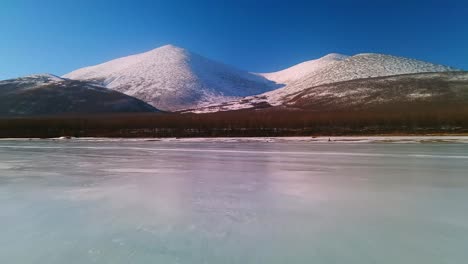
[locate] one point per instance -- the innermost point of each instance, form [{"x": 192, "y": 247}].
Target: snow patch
[{"x": 419, "y": 95}]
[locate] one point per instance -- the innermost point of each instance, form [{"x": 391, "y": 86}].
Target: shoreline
[{"x": 301, "y": 139}]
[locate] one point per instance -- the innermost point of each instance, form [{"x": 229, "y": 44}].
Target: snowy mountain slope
[
  {"x": 301, "y": 70},
  {"x": 46, "y": 94},
  {"x": 172, "y": 78},
  {"x": 359, "y": 66},
  {"x": 438, "y": 89}
]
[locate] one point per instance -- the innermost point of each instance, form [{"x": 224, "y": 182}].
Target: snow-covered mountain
[
  {"x": 407, "y": 91},
  {"x": 367, "y": 65},
  {"x": 437, "y": 89},
  {"x": 172, "y": 78},
  {"x": 329, "y": 69},
  {"x": 47, "y": 94},
  {"x": 301, "y": 70}
]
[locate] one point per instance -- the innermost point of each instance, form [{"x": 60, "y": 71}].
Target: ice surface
[{"x": 250, "y": 200}]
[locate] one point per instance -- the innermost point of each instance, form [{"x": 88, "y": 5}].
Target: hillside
[
  {"x": 48, "y": 95},
  {"x": 437, "y": 89},
  {"x": 359, "y": 66},
  {"x": 301, "y": 70},
  {"x": 172, "y": 78},
  {"x": 441, "y": 88}
]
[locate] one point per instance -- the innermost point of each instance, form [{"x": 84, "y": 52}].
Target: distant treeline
[{"x": 266, "y": 122}]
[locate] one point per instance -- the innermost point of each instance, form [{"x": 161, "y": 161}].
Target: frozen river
[{"x": 231, "y": 201}]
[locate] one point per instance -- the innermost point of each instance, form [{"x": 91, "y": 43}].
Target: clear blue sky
[{"x": 59, "y": 36}]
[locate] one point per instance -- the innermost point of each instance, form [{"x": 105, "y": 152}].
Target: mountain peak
[
  {"x": 300, "y": 70},
  {"x": 335, "y": 56},
  {"x": 42, "y": 78},
  {"x": 168, "y": 48},
  {"x": 172, "y": 78},
  {"x": 367, "y": 54},
  {"x": 360, "y": 66},
  {"x": 401, "y": 65},
  {"x": 47, "y": 94}
]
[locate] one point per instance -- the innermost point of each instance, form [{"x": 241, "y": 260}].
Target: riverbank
[
  {"x": 322, "y": 139},
  {"x": 239, "y": 124}
]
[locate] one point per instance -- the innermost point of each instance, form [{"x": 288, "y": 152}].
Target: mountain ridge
[
  {"x": 176, "y": 79},
  {"x": 172, "y": 78},
  {"x": 300, "y": 70},
  {"x": 359, "y": 66},
  {"x": 45, "y": 94},
  {"x": 414, "y": 89}
]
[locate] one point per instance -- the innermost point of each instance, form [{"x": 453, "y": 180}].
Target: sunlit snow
[{"x": 172, "y": 78}]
